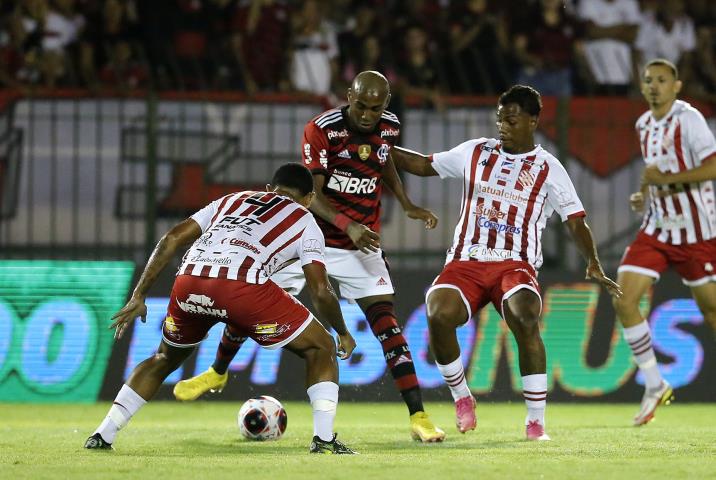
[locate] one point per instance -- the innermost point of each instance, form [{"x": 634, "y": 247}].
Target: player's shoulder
[
  {"x": 687, "y": 113},
  {"x": 327, "y": 118},
  {"x": 390, "y": 118},
  {"x": 545, "y": 157}
]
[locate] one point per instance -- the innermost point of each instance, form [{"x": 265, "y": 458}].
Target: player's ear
[
  {"x": 387, "y": 102},
  {"x": 534, "y": 121},
  {"x": 349, "y": 94},
  {"x": 677, "y": 86},
  {"x": 269, "y": 188}
]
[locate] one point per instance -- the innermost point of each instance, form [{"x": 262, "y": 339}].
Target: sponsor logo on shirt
[
  {"x": 307, "y": 153},
  {"x": 484, "y": 222},
  {"x": 337, "y": 134},
  {"x": 501, "y": 193},
  {"x": 344, "y": 154},
  {"x": 345, "y": 184},
  {"x": 323, "y": 158},
  {"x": 389, "y": 132},
  {"x": 487, "y": 254},
  {"x": 671, "y": 222},
  {"x": 236, "y": 242},
  {"x": 491, "y": 212}
]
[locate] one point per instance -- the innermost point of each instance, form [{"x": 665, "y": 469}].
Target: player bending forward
[
  {"x": 237, "y": 243},
  {"x": 347, "y": 150},
  {"x": 510, "y": 188}
]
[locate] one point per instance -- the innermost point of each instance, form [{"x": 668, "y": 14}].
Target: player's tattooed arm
[
  {"x": 583, "y": 238},
  {"x": 706, "y": 171},
  {"x": 365, "y": 239},
  {"x": 326, "y": 303},
  {"x": 180, "y": 235},
  {"x": 393, "y": 182},
  {"x": 412, "y": 162}
]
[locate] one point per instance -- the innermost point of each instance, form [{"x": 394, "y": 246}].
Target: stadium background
[{"x": 113, "y": 134}]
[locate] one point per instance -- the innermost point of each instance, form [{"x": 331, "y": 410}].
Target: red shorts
[
  {"x": 482, "y": 282},
  {"x": 263, "y": 312},
  {"x": 695, "y": 262}
]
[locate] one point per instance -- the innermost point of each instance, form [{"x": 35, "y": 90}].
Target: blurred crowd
[{"x": 427, "y": 48}]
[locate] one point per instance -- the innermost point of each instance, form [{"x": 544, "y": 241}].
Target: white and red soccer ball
[{"x": 262, "y": 418}]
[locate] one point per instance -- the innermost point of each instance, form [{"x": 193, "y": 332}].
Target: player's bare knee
[
  {"x": 625, "y": 305},
  {"x": 444, "y": 316}
]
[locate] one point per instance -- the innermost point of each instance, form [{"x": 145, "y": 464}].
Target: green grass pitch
[{"x": 201, "y": 440}]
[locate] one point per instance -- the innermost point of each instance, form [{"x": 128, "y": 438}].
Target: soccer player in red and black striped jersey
[
  {"x": 348, "y": 151},
  {"x": 679, "y": 227}
]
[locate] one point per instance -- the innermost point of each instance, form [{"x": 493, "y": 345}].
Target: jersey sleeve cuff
[{"x": 579, "y": 214}]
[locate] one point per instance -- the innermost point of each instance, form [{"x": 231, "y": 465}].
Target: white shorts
[{"x": 358, "y": 274}]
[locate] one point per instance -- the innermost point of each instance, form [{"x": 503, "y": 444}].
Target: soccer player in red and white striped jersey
[
  {"x": 679, "y": 227},
  {"x": 347, "y": 150},
  {"x": 237, "y": 243},
  {"x": 510, "y": 188}
]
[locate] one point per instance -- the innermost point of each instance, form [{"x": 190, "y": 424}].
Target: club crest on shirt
[
  {"x": 526, "y": 179},
  {"x": 364, "y": 152},
  {"x": 667, "y": 142},
  {"x": 383, "y": 153}
]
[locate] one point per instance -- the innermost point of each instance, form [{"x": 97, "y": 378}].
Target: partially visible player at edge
[
  {"x": 237, "y": 243},
  {"x": 347, "y": 150},
  {"x": 679, "y": 227},
  {"x": 510, "y": 188}
]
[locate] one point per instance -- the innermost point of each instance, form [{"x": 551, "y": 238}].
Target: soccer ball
[{"x": 262, "y": 418}]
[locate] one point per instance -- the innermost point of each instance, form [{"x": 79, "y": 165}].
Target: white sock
[
  {"x": 324, "y": 400},
  {"x": 126, "y": 404},
  {"x": 639, "y": 339},
  {"x": 454, "y": 375},
  {"x": 534, "y": 389}
]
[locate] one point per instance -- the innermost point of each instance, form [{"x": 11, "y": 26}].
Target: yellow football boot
[
  {"x": 422, "y": 429},
  {"x": 194, "y": 387}
]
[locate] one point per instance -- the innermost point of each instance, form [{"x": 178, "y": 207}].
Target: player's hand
[
  {"x": 595, "y": 272},
  {"x": 653, "y": 176},
  {"x": 363, "y": 237},
  {"x": 636, "y": 201},
  {"x": 134, "y": 308},
  {"x": 418, "y": 213},
  {"x": 345, "y": 345}
]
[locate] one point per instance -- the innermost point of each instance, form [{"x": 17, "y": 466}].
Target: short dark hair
[
  {"x": 294, "y": 175},
  {"x": 526, "y": 97},
  {"x": 664, "y": 62}
]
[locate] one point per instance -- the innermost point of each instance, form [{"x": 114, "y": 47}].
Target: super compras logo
[
  {"x": 197, "y": 303},
  {"x": 355, "y": 185},
  {"x": 484, "y": 222}
]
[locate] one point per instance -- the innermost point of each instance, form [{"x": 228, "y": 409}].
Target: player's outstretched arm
[
  {"x": 393, "y": 182},
  {"x": 180, "y": 235},
  {"x": 326, "y": 303},
  {"x": 582, "y": 236},
  {"x": 412, "y": 162},
  {"x": 705, "y": 171},
  {"x": 365, "y": 239}
]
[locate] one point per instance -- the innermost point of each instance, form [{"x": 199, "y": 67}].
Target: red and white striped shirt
[
  {"x": 681, "y": 140},
  {"x": 506, "y": 200},
  {"x": 251, "y": 235}
]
